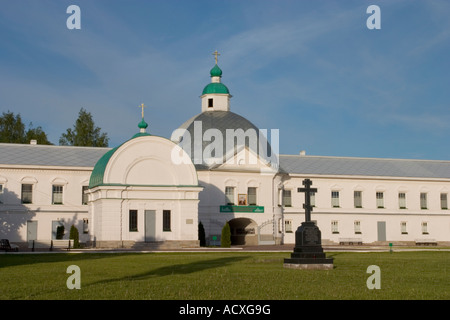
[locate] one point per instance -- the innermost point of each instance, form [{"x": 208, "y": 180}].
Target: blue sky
[{"x": 311, "y": 69}]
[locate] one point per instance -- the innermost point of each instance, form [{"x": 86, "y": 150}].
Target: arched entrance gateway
[{"x": 243, "y": 231}]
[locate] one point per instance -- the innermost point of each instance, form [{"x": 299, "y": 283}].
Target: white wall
[{"x": 14, "y": 215}]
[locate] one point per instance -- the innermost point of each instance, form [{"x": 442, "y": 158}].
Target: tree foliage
[
  {"x": 225, "y": 241},
  {"x": 13, "y": 130},
  {"x": 201, "y": 234},
  {"x": 75, "y": 236},
  {"x": 84, "y": 133}
]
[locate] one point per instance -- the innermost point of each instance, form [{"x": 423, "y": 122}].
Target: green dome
[
  {"x": 98, "y": 172},
  {"x": 216, "y": 71},
  {"x": 142, "y": 124},
  {"x": 215, "y": 87}
]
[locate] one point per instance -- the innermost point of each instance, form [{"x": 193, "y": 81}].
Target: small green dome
[
  {"x": 143, "y": 124},
  {"x": 215, "y": 88},
  {"x": 216, "y": 71}
]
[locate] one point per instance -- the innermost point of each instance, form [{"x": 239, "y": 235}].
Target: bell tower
[{"x": 215, "y": 96}]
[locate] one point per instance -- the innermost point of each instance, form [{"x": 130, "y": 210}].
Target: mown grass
[{"x": 222, "y": 276}]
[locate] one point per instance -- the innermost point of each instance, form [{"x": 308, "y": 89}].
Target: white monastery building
[{"x": 217, "y": 167}]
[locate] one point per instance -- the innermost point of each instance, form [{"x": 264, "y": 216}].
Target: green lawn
[{"x": 220, "y": 275}]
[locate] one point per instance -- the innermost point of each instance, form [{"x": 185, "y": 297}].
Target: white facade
[
  {"x": 42, "y": 210},
  {"x": 345, "y": 217},
  {"x": 142, "y": 190},
  {"x": 137, "y": 193}
]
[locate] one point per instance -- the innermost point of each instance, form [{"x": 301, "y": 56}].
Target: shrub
[
  {"x": 225, "y": 241},
  {"x": 59, "y": 232},
  {"x": 201, "y": 234},
  {"x": 75, "y": 236}
]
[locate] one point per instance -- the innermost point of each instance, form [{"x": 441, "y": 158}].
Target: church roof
[
  {"x": 340, "y": 166},
  {"x": 221, "y": 121},
  {"x": 49, "y": 155},
  {"x": 67, "y": 156}
]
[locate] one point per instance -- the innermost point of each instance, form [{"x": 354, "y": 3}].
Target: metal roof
[
  {"x": 66, "y": 156},
  {"x": 221, "y": 121},
  {"x": 49, "y": 155},
  {"x": 321, "y": 165}
]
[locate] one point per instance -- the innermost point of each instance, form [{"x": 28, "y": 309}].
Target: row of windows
[
  {"x": 357, "y": 227},
  {"x": 248, "y": 199},
  {"x": 133, "y": 220},
  {"x": 358, "y": 199},
  {"x": 26, "y": 194}
]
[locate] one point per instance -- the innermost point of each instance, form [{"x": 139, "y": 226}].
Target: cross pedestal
[{"x": 308, "y": 252}]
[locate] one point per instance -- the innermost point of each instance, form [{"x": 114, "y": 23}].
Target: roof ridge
[
  {"x": 48, "y": 145},
  {"x": 361, "y": 158}
]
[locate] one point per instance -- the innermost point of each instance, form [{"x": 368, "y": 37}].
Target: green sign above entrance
[{"x": 230, "y": 208}]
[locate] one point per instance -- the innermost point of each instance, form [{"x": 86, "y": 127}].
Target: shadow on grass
[
  {"x": 177, "y": 269},
  {"x": 11, "y": 260}
]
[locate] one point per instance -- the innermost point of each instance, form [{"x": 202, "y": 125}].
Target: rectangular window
[
  {"x": 444, "y": 203},
  {"x": 229, "y": 195},
  {"x": 287, "y": 200},
  {"x": 27, "y": 193},
  {"x": 251, "y": 196},
  {"x": 166, "y": 220},
  {"x": 402, "y": 200},
  {"x": 403, "y": 227},
  {"x": 210, "y": 103},
  {"x": 380, "y": 200},
  {"x": 357, "y": 199},
  {"x": 133, "y": 221},
  {"x": 335, "y": 199},
  {"x": 312, "y": 199},
  {"x": 424, "y": 227},
  {"x": 1, "y": 193},
  {"x": 357, "y": 226},
  {"x": 57, "y": 195},
  {"x": 85, "y": 225},
  {"x": 288, "y": 226},
  {"x": 334, "y": 227},
  {"x": 84, "y": 196},
  {"x": 423, "y": 200}
]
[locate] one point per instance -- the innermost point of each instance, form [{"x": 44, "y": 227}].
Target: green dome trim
[
  {"x": 216, "y": 71},
  {"x": 98, "y": 173},
  {"x": 99, "y": 169},
  {"x": 215, "y": 87},
  {"x": 140, "y": 134}
]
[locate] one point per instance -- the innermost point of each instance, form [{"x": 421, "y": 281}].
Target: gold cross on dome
[
  {"x": 215, "y": 53},
  {"x": 142, "y": 107}
]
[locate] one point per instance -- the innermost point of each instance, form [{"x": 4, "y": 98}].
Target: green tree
[
  {"x": 75, "y": 236},
  {"x": 13, "y": 130},
  {"x": 225, "y": 241},
  {"x": 84, "y": 133},
  {"x": 36, "y": 134}
]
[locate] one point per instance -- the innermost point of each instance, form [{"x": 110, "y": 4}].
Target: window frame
[
  {"x": 56, "y": 194},
  {"x": 250, "y": 196},
  {"x": 167, "y": 224},
  {"x": 132, "y": 220},
  {"x": 335, "y": 199},
  {"x": 357, "y": 200},
  {"x": 84, "y": 196},
  {"x": 423, "y": 201},
  {"x": 228, "y": 194},
  {"x": 402, "y": 200},
  {"x": 379, "y": 195},
  {"x": 444, "y": 201},
  {"x": 27, "y": 193},
  {"x": 335, "y": 227}
]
